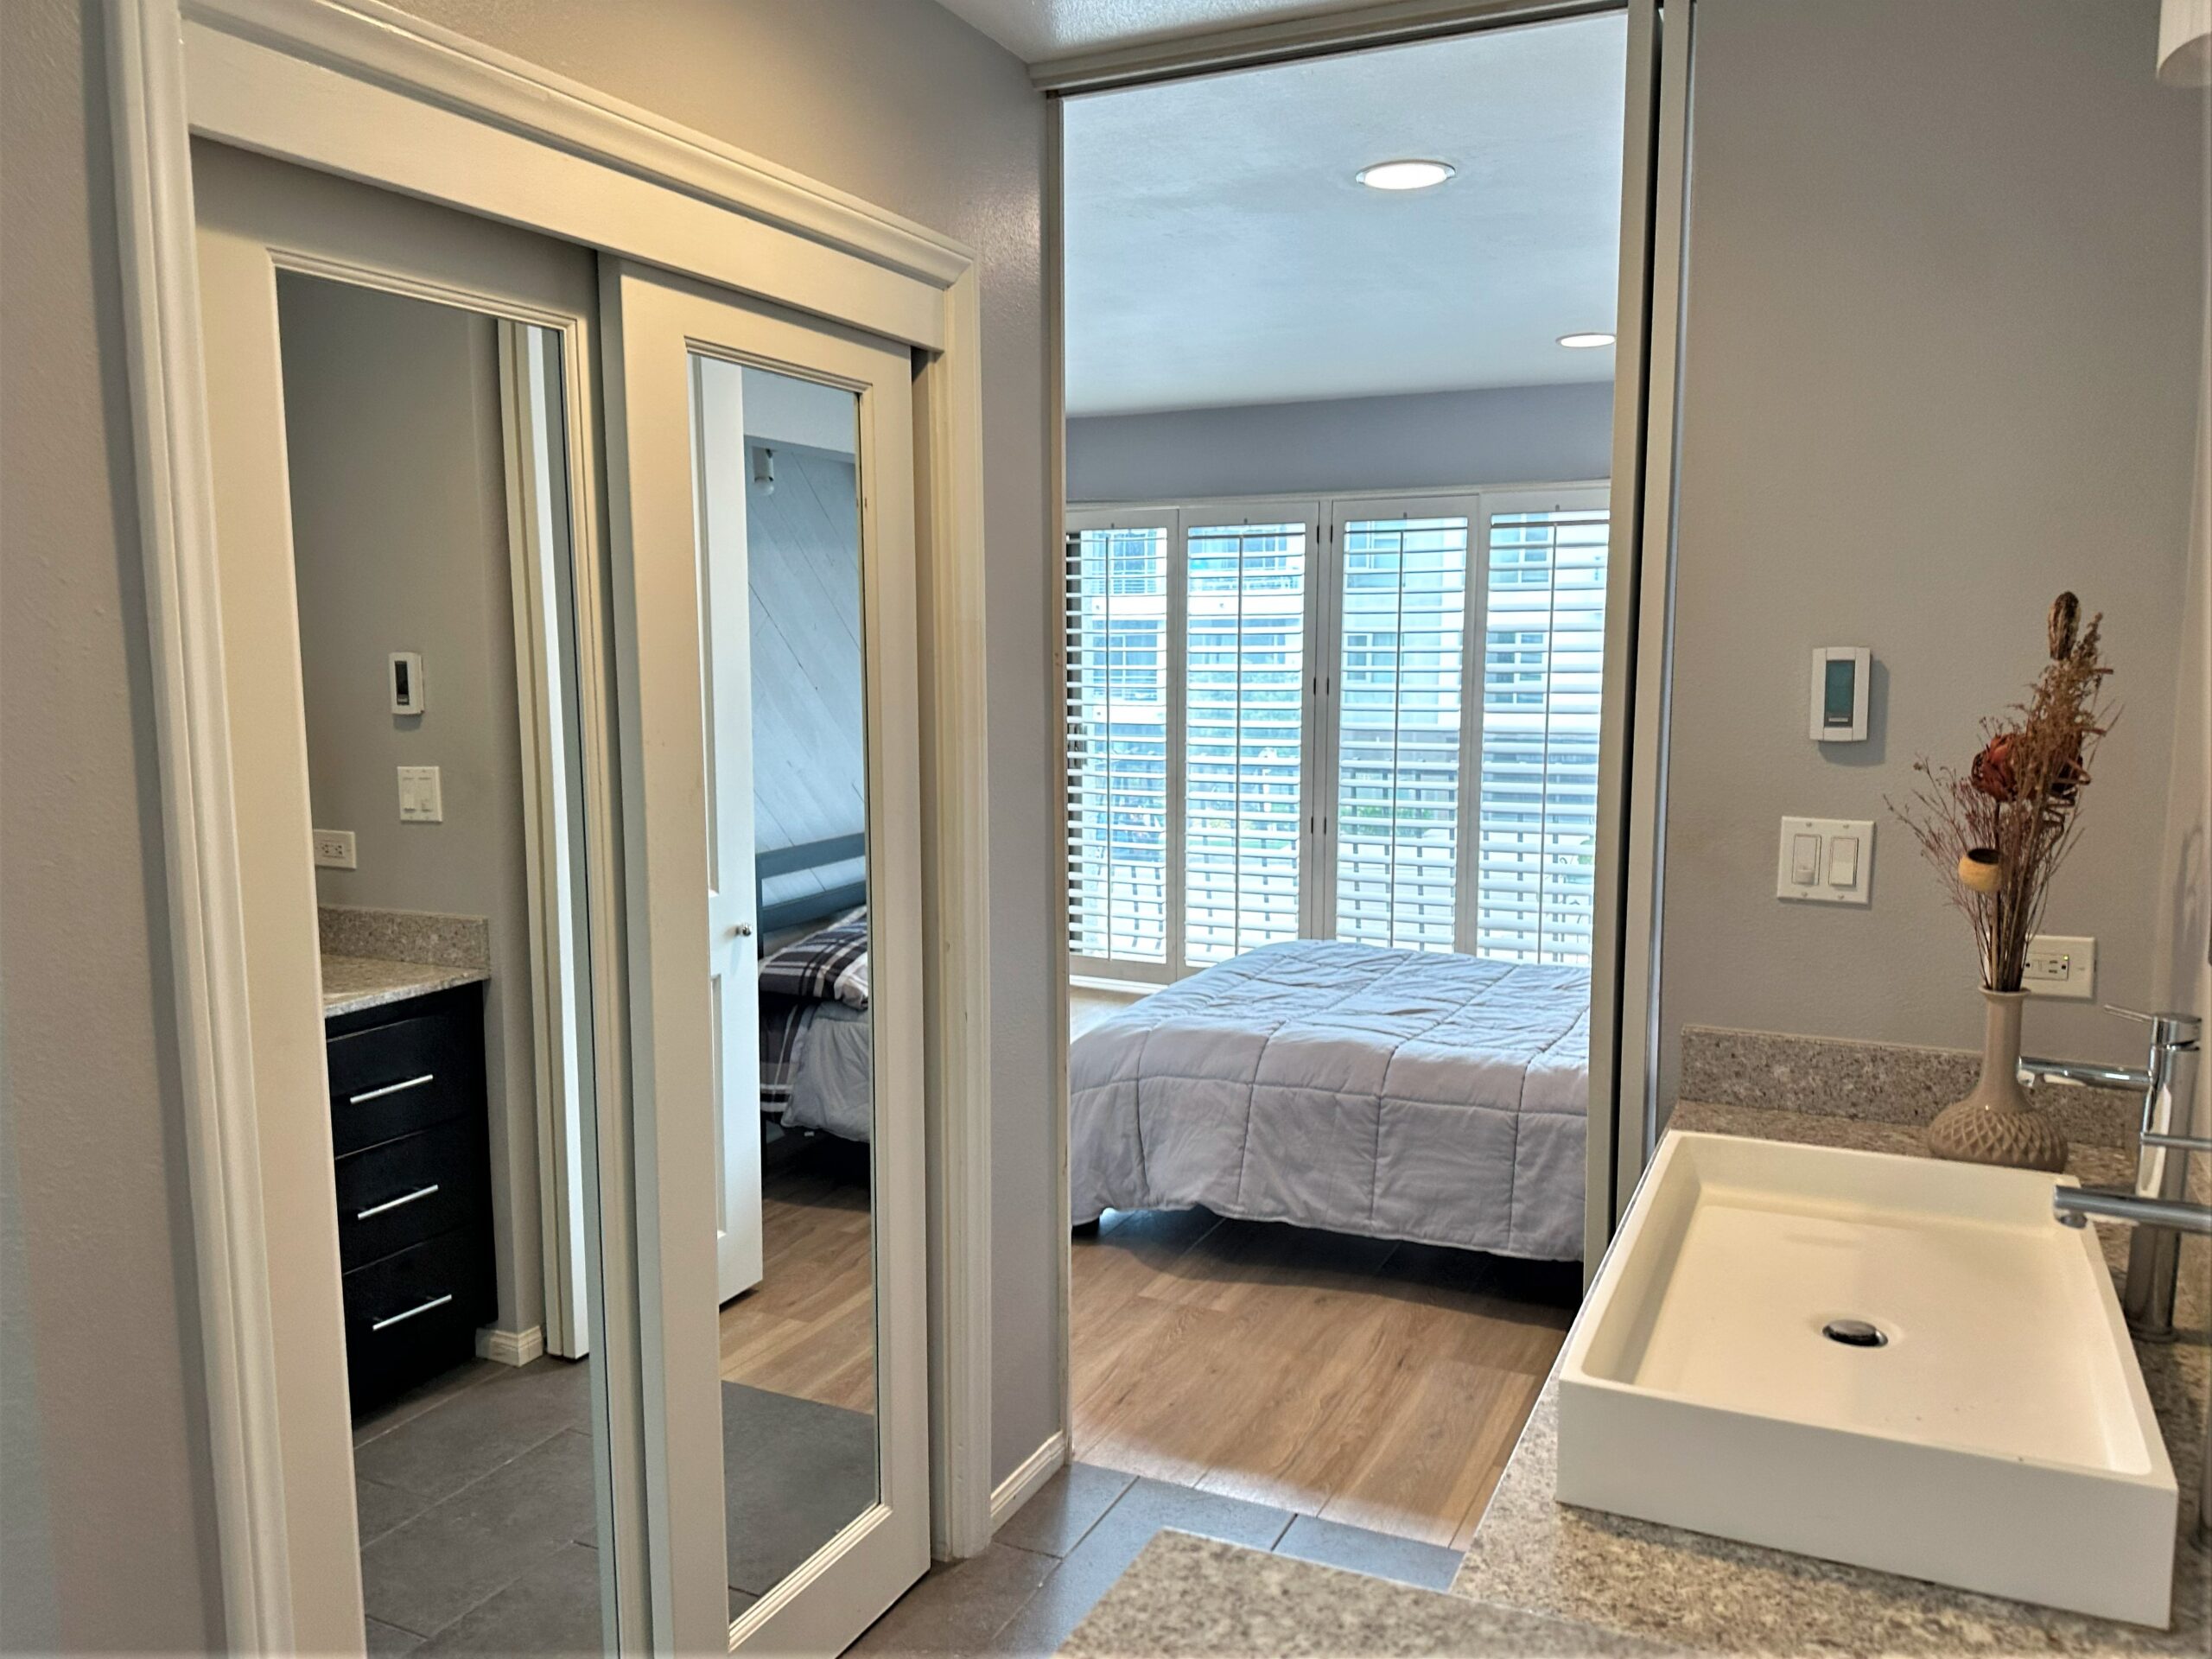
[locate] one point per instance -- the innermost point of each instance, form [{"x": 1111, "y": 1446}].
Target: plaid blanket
[
  {"x": 783, "y": 1020},
  {"x": 831, "y": 963}
]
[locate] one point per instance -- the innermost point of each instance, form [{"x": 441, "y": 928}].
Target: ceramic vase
[{"x": 1998, "y": 1124}]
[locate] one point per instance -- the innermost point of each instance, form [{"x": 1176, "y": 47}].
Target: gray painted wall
[
  {"x": 804, "y": 568},
  {"x": 399, "y": 535},
  {"x": 1511, "y": 435},
  {"x": 107, "y": 1523},
  {"x": 1946, "y": 272},
  {"x": 905, "y": 106}
]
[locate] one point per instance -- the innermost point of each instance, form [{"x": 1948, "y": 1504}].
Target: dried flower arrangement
[{"x": 1998, "y": 831}]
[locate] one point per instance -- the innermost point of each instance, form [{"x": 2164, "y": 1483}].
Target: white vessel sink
[{"x": 2000, "y": 1440}]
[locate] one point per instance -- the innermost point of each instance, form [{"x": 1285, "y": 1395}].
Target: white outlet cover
[
  {"x": 2061, "y": 966},
  {"x": 334, "y": 849}
]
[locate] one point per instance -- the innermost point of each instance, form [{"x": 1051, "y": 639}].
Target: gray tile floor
[
  {"x": 477, "y": 1527},
  {"x": 475, "y": 1501},
  {"x": 1051, "y": 1562}
]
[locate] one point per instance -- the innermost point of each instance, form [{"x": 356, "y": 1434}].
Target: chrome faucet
[
  {"x": 2158, "y": 1208},
  {"x": 2167, "y": 1082}
]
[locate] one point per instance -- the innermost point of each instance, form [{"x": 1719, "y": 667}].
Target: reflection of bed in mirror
[{"x": 815, "y": 1057}]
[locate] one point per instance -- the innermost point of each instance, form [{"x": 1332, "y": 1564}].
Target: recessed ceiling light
[
  {"x": 1405, "y": 175},
  {"x": 1584, "y": 343}
]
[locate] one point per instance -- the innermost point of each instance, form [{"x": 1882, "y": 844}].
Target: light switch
[
  {"x": 421, "y": 801},
  {"x": 1843, "y": 861},
  {"x": 1804, "y": 860},
  {"x": 1825, "y": 861}
]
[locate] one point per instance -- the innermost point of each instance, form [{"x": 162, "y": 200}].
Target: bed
[
  {"x": 816, "y": 1057},
  {"x": 1393, "y": 1094}
]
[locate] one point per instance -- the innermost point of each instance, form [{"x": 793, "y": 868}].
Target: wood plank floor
[
  {"x": 1378, "y": 1384},
  {"x": 1361, "y": 1381}
]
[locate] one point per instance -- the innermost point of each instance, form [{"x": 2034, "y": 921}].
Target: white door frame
[{"x": 359, "y": 88}]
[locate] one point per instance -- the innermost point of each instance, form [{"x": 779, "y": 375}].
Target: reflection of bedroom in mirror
[
  {"x": 1335, "y": 627},
  {"x": 780, "y": 545}
]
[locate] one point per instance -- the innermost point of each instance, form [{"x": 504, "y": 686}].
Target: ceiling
[
  {"x": 1034, "y": 30},
  {"x": 1218, "y": 249}
]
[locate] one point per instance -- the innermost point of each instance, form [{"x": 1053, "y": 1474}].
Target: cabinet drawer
[
  {"x": 416, "y": 1312},
  {"x": 408, "y": 1075},
  {"x": 401, "y": 1192}
]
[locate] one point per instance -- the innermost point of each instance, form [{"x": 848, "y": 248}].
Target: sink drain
[{"x": 1855, "y": 1333}]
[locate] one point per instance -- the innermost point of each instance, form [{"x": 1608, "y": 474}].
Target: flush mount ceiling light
[
  {"x": 1405, "y": 175},
  {"x": 1584, "y": 343}
]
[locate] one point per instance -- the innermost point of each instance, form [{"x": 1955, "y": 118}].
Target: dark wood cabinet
[{"x": 413, "y": 1182}]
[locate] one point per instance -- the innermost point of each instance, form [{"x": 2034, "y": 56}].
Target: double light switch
[{"x": 1827, "y": 861}]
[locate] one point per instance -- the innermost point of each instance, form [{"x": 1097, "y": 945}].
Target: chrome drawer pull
[
  {"x": 397, "y": 1318},
  {"x": 390, "y": 1089},
  {"x": 394, "y": 1204}
]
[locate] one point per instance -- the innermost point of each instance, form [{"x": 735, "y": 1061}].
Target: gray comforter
[{"x": 1390, "y": 1093}]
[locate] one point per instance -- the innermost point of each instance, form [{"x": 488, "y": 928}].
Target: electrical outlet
[
  {"x": 334, "y": 849},
  {"x": 2059, "y": 966}
]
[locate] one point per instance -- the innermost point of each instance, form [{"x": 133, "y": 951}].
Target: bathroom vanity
[{"x": 404, "y": 1052}]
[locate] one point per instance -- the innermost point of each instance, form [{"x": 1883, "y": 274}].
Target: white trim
[
  {"x": 1053, "y": 267},
  {"x": 157, "y": 238},
  {"x": 326, "y": 84},
  {"x": 1028, "y": 1477},
  {"x": 1279, "y": 41},
  {"x": 956, "y": 863},
  {"x": 510, "y": 1347}
]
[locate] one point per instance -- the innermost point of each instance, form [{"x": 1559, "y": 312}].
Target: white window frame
[{"x": 1326, "y": 518}]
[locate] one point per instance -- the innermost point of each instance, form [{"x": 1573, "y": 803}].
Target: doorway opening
[{"x": 1339, "y": 393}]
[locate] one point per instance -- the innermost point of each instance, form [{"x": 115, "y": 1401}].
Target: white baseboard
[
  {"x": 510, "y": 1347},
  {"x": 1018, "y": 1488}
]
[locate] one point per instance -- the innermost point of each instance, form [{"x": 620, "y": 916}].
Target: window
[
  {"x": 1543, "y": 657},
  {"x": 1117, "y": 699},
  {"x": 1243, "y": 737},
  {"x": 1374, "y": 721}
]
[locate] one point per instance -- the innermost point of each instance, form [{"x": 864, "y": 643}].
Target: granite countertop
[
  {"x": 1194, "y": 1596},
  {"x": 371, "y": 957},
  {"x": 351, "y": 983},
  {"x": 1710, "y": 1595}
]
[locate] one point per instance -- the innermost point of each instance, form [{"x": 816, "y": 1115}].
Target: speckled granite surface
[
  {"x": 1711, "y": 1595},
  {"x": 1889, "y": 1083},
  {"x": 421, "y": 936},
  {"x": 371, "y": 957},
  {"x": 1193, "y": 1596},
  {"x": 350, "y": 983}
]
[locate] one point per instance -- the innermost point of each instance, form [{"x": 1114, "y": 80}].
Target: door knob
[{"x": 742, "y": 930}]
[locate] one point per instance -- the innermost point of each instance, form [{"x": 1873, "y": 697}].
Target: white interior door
[
  {"x": 726, "y": 695},
  {"x": 847, "y": 1534}
]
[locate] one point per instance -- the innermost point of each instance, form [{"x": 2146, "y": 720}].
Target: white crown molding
[{"x": 377, "y": 43}]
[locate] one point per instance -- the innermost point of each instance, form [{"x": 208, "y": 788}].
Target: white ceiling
[
  {"x": 1219, "y": 251},
  {"x": 1036, "y": 29}
]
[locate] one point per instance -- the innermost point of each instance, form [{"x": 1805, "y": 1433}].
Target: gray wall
[
  {"x": 106, "y": 1523},
  {"x": 1946, "y": 272},
  {"x": 803, "y": 565},
  {"x": 1511, "y": 435},
  {"x": 399, "y": 537},
  {"x": 904, "y": 105}
]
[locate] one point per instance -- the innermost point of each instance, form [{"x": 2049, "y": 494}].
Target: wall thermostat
[
  {"x": 407, "y": 694},
  {"x": 1840, "y": 676}
]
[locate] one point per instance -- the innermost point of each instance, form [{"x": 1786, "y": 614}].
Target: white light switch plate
[
  {"x": 2061, "y": 966},
  {"x": 334, "y": 849},
  {"x": 420, "y": 798},
  {"x": 1826, "y": 860}
]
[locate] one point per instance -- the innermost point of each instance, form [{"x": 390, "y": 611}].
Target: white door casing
[{"x": 726, "y": 695}]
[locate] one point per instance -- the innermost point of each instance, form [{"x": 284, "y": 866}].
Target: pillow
[{"x": 832, "y": 963}]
